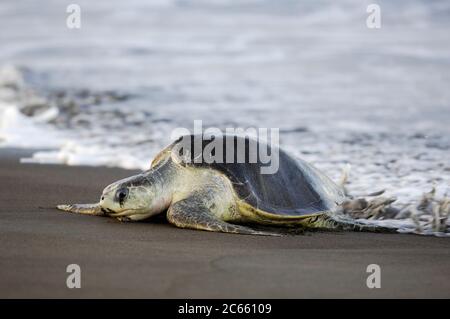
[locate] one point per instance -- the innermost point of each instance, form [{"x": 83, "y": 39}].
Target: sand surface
[{"x": 156, "y": 260}]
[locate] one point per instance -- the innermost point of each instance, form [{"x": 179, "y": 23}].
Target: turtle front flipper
[
  {"x": 87, "y": 209},
  {"x": 192, "y": 213}
]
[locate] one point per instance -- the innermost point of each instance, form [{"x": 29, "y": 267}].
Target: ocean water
[{"x": 111, "y": 92}]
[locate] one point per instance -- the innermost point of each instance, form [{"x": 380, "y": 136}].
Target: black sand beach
[{"x": 155, "y": 260}]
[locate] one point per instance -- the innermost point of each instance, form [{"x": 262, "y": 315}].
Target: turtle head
[{"x": 137, "y": 197}]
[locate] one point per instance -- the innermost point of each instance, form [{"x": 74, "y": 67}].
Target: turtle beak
[
  {"x": 107, "y": 211},
  {"x": 104, "y": 204}
]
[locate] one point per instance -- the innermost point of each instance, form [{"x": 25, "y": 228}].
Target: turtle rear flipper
[
  {"x": 347, "y": 215},
  {"x": 86, "y": 209},
  {"x": 338, "y": 222},
  {"x": 192, "y": 213}
]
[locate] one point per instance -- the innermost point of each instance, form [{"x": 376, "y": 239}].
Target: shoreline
[{"x": 156, "y": 260}]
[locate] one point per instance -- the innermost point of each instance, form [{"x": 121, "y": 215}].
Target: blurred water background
[{"x": 111, "y": 92}]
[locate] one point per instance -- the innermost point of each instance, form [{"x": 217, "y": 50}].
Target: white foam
[
  {"x": 18, "y": 130},
  {"x": 75, "y": 154}
]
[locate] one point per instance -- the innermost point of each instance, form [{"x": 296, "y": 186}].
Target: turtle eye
[{"x": 121, "y": 195}]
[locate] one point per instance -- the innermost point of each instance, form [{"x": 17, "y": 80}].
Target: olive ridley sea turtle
[{"x": 233, "y": 196}]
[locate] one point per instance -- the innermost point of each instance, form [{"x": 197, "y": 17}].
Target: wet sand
[{"x": 156, "y": 260}]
